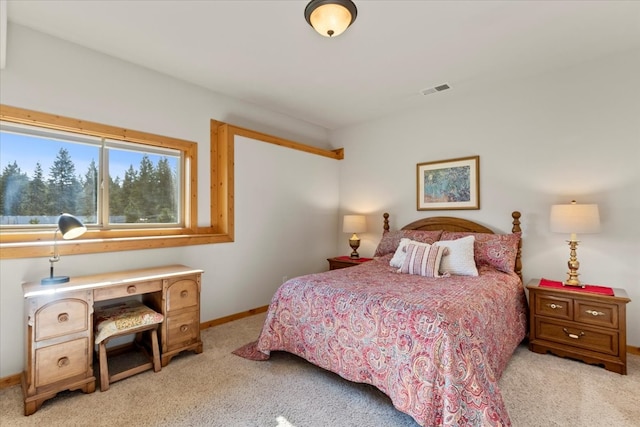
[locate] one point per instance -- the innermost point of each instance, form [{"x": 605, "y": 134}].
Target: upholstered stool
[{"x": 126, "y": 318}]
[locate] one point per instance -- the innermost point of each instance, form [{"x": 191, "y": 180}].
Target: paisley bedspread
[{"x": 436, "y": 346}]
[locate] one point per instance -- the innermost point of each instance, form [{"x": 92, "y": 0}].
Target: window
[
  {"x": 111, "y": 230},
  {"x": 103, "y": 182}
]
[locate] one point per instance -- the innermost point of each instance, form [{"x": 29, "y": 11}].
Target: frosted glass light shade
[
  {"x": 354, "y": 224},
  {"x": 330, "y": 18}
]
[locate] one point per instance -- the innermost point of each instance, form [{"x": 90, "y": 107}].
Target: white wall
[
  {"x": 278, "y": 192},
  {"x": 571, "y": 134}
]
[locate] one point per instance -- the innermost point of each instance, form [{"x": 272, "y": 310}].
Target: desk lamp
[{"x": 70, "y": 227}]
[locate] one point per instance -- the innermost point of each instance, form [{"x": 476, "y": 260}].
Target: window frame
[
  {"x": 104, "y": 147},
  {"x": 221, "y": 220}
]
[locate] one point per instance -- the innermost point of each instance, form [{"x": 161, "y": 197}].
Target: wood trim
[
  {"x": 10, "y": 381},
  {"x": 222, "y": 155},
  {"x": 633, "y": 350},
  {"x": 337, "y": 154},
  {"x": 52, "y": 121},
  {"x": 222, "y": 226},
  {"x": 232, "y": 317}
]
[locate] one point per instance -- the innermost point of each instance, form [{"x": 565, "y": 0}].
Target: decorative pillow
[
  {"x": 391, "y": 239},
  {"x": 401, "y": 252},
  {"x": 460, "y": 260},
  {"x": 496, "y": 250},
  {"x": 423, "y": 259}
]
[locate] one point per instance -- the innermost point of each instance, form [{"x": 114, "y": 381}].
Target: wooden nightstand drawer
[
  {"x": 576, "y": 335},
  {"x": 339, "y": 262},
  {"x": 61, "y": 317},
  {"x": 61, "y": 361},
  {"x": 597, "y": 314},
  {"x": 182, "y": 294},
  {"x": 553, "y": 306}
]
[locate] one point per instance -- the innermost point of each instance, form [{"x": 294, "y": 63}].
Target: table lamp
[
  {"x": 573, "y": 219},
  {"x": 354, "y": 224},
  {"x": 70, "y": 227}
]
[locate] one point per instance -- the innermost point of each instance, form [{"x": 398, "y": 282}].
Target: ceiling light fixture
[{"x": 330, "y": 17}]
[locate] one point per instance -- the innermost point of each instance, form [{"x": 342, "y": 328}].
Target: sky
[{"x": 28, "y": 150}]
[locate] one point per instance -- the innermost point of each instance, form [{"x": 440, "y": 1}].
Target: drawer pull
[
  {"x": 595, "y": 313},
  {"x": 63, "y": 317},
  {"x": 554, "y": 306},
  {"x": 574, "y": 336},
  {"x": 131, "y": 289},
  {"x": 184, "y": 294},
  {"x": 184, "y": 328},
  {"x": 63, "y": 361}
]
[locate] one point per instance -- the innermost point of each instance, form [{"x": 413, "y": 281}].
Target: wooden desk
[{"x": 60, "y": 344}]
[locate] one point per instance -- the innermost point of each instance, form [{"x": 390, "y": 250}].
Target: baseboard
[
  {"x": 633, "y": 350},
  {"x": 231, "y": 318},
  {"x": 10, "y": 381}
]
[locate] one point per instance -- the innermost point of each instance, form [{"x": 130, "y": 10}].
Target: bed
[{"x": 437, "y": 346}]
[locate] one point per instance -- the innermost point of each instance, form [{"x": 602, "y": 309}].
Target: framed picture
[{"x": 449, "y": 184}]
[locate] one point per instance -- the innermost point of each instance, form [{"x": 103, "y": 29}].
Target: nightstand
[
  {"x": 581, "y": 325},
  {"x": 338, "y": 262}
]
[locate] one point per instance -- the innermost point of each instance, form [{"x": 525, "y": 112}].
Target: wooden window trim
[{"x": 221, "y": 221}]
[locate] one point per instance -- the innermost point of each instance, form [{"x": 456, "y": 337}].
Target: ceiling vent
[{"x": 435, "y": 89}]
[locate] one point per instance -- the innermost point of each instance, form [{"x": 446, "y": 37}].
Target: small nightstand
[
  {"x": 585, "y": 326},
  {"x": 338, "y": 262}
]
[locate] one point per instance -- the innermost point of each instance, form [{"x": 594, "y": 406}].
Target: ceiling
[{"x": 265, "y": 53}]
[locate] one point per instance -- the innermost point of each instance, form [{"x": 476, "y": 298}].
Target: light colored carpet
[{"x": 217, "y": 388}]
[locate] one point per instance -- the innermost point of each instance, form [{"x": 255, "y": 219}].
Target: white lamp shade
[
  {"x": 575, "y": 218},
  {"x": 354, "y": 224}
]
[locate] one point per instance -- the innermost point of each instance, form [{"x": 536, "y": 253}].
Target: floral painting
[{"x": 449, "y": 184}]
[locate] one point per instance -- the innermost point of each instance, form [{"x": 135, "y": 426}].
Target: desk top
[{"x": 35, "y": 289}]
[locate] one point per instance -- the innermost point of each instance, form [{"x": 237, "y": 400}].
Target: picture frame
[{"x": 449, "y": 184}]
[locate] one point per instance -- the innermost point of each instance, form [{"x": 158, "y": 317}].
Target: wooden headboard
[{"x": 449, "y": 223}]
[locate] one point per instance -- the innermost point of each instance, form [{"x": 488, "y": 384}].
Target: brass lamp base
[
  {"x": 573, "y": 264},
  {"x": 355, "y": 244}
]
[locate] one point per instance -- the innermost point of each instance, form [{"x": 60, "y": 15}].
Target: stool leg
[
  {"x": 156, "y": 350},
  {"x": 104, "y": 366}
]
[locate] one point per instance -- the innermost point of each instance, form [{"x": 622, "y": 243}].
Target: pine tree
[
  {"x": 130, "y": 196},
  {"x": 165, "y": 192},
  {"x": 63, "y": 184},
  {"x": 36, "y": 194},
  {"x": 88, "y": 199},
  {"x": 147, "y": 189},
  {"x": 116, "y": 205}
]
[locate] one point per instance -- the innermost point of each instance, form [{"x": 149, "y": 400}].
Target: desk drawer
[
  {"x": 62, "y": 317},
  {"x": 127, "y": 289},
  {"x": 182, "y": 294},
  {"x": 61, "y": 361},
  {"x": 182, "y": 329},
  {"x": 576, "y": 335}
]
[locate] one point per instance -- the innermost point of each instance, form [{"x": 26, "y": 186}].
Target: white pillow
[
  {"x": 460, "y": 260},
  {"x": 401, "y": 253}
]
